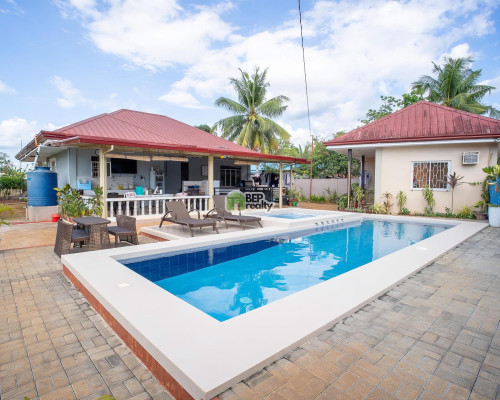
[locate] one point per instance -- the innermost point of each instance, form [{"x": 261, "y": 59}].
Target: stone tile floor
[{"x": 434, "y": 336}]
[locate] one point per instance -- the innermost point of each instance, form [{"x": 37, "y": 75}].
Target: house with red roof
[
  {"x": 126, "y": 150},
  {"x": 420, "y": 145}
]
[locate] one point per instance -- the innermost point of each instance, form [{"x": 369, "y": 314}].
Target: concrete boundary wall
[{"x": 319, "y": 186}]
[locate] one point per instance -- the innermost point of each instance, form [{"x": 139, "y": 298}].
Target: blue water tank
[
  {"x": 41, "y": 184},
  {"x": 495, "y": 192}
]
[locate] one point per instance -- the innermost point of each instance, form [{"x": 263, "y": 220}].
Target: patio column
[
  {"x": 378, "y": 175},
  {"x": 103, "y": 179},
  {"x": 349, "y": 158},
  {"x": 210, "y": 181},
  {"x": 280, "y": 201},
  {"x": 363, "y": 183}
]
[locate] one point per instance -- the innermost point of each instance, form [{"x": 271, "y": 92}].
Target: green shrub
[
  {"x": 401, "y": 200},
  {"x": 429, "y": 199},
  {"x": 342, "y": 201},
  {"x": 466, "y": 213},
  {"x": 317, "y": 199},
  {"x": 331, "y": 195},
  {"x": 4, "y": 208},
  {"x": 405, "y": 211}
]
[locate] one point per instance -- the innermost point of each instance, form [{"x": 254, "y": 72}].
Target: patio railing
[{"x": 152, "y": 205}]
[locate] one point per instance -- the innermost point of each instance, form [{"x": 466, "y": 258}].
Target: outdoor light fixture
[
  {"x": 129, "y": 157},
  {"x": 166, "y": 158},
  {"x": 238, "y": 162}
]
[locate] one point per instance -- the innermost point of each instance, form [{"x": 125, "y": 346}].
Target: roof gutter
[
  {"x": 186, "y": 148},
  {"x": 407, "y": 144}
]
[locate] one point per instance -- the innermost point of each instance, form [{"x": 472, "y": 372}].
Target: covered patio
[{"x": 128, "y": 152}]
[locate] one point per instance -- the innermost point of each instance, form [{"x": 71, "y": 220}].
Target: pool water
[
  {"x": 289, "y": 215},
  {"x": 230, "y": 280}
]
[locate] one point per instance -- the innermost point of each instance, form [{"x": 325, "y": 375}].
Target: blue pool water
[
  {"x": 226, "y": 281},
  {"x": 289, "y": 215}
]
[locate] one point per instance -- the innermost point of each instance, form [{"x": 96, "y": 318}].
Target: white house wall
[{"x": 395, "y": 173}]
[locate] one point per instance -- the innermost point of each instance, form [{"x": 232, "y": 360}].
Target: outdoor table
[{"x": 97, "y": 226}]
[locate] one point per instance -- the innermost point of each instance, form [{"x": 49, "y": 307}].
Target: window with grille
[
  {"x": 432, "y": 173},
  {"x": 94, "y": 167},
  {"x": 230, "y": 176}
]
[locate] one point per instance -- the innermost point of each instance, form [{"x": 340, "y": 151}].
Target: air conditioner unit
[{"x": 470, "y": 157}]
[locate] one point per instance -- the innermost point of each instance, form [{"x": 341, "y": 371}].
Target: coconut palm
[
  {"x": 251, "y": 125},
  {"x": 456, "y": 86}
]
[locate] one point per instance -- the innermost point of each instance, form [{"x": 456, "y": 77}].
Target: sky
[{"x": 62, "y": 61}]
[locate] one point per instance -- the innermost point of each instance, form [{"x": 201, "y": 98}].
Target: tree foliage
[
  {"x": 204, "y": 127},
  {"x": 389, "y": 105},
  {"x": 251, "y": 124},
  {"x": 456, "y": 85}
]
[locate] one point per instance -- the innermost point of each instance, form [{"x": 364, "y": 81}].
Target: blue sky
[{"x": 66, "y": 60}]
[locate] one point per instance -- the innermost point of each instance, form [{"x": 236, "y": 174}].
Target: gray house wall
[{"x": 73, "y": 163}]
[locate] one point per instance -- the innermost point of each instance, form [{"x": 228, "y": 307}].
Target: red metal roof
[
  {"x": 140, "y": 129},
  {"x": 422, "y": 121}
]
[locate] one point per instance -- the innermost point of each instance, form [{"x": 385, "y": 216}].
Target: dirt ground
[{"x": 18, "y": 208}]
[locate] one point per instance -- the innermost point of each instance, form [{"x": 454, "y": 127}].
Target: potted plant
[
  {"x": 71, "y": 203},
  {"x": 481, "y": 213}
]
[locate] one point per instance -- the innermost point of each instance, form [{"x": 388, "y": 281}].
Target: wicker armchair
[
  {"x": 125, "y": 230},
  {"x": 67, "y": 235}
]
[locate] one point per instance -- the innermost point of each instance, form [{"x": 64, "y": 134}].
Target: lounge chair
[
  {"x": 178, "y": 214},
  {"x": 124, "y": 230},
  {"x": 66, "y": 234},
  {"x": 220, "y": 213}
]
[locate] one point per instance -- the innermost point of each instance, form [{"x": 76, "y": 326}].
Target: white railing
[{"x": 152, "y": 205}]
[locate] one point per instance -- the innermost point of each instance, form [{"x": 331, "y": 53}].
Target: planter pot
[
  {"x": 481, "y": 215},
  {"x": 494, "y": 216}
]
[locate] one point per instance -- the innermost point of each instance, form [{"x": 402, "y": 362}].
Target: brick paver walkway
[{"x": 434, "y": 336}]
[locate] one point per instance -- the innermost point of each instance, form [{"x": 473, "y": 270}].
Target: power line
[
  {"x": 305, "y": 72},
  {"x": 307, "y": 101}
]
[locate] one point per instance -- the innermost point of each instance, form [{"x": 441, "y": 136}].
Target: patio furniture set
[{"x": 94, "y": 231}]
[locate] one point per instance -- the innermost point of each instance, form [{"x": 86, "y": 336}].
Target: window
[
  {"x": 230, "y": 176},
  {"x": 52, "y": 165},
  {"x": 432, "y": 173},
  {"x": 94, "y": 167}
]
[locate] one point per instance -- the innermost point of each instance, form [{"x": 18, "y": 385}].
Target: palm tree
[
  {"x": 456, "y": 86},
  {"x": 251, "y": 126}
]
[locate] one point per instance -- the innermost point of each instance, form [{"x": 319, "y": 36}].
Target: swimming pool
[
  {"x": 192, "y": 353},
  {"x": 287, "y": 215},
  {"x": 227, "y": 281}
]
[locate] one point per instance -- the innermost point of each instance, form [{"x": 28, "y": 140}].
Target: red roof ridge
[
  {"x": 395, "y": 128},
  {"x": 157, "y": 115}
]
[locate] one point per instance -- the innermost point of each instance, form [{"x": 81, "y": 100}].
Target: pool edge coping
[{"x": 204, "y": 390}]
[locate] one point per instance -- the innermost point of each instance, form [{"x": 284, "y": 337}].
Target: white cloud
[
  {"x": 16, "y": 130},
  {"x": 152, "y": 33},
  {"x": 4, "y": 88},
  {"x": 70, "y": 96},
  {"x": 355, "y": 51},
  {"x": 11, "y": 8},
  {"x": 182, "y": 99},
  {"x": 459, "y": 51}
]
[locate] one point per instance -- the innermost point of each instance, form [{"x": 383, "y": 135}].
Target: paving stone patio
[{"x": 434, "y": 336}]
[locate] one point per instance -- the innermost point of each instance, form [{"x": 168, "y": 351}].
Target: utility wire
[
  {"x": 305, "y": 72},
  {"x": 307, "y": 101}
]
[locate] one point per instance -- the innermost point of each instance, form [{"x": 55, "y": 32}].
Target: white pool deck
[{"x": 206, "y": 356}]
